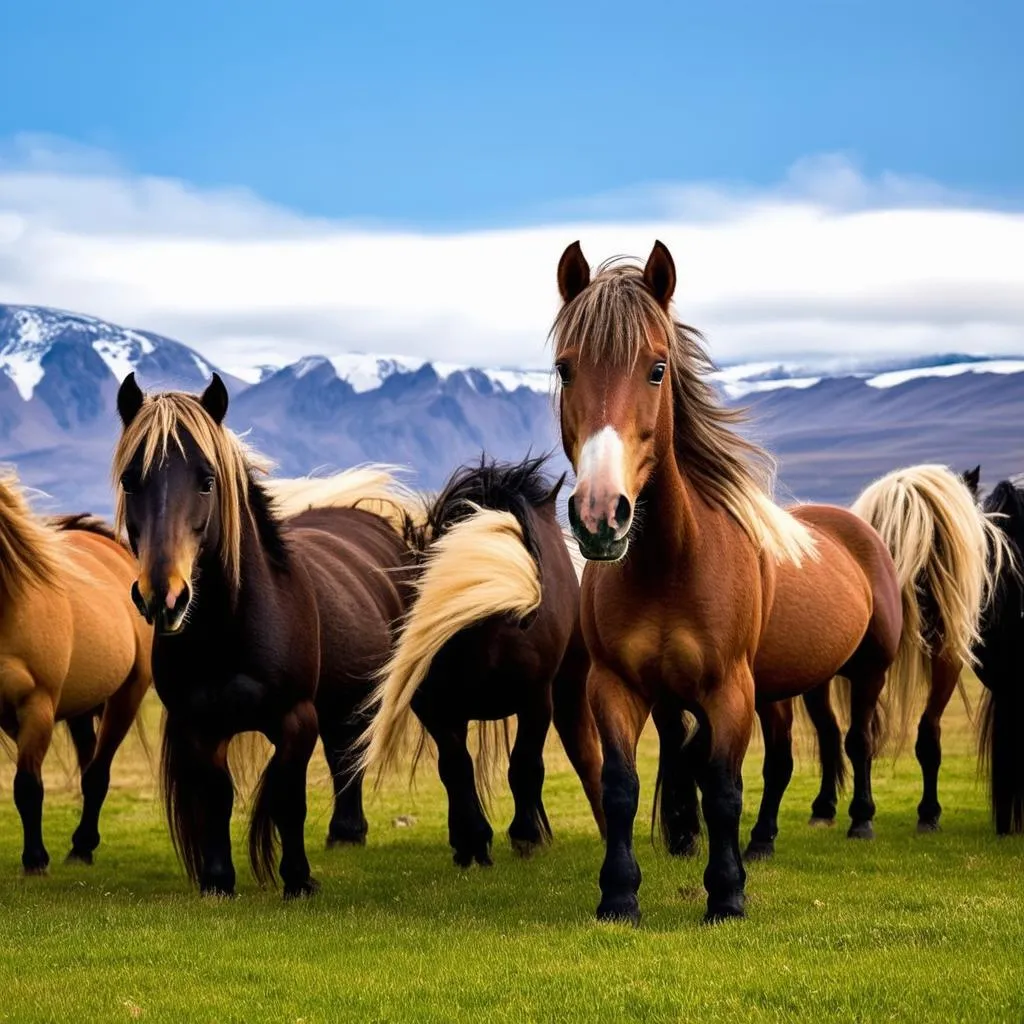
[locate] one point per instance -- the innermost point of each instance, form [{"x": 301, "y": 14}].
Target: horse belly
[
  {"x": 104, "y": 650},
  {"x": 818, "y": 619}
]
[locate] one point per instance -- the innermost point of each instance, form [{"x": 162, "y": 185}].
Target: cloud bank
[{"x": 826, "y": 264}]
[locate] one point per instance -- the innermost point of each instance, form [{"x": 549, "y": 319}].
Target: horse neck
[{"x": 670, "y": 512}]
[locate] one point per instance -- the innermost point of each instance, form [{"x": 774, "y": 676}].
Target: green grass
[{"x": 909, "y": 928}]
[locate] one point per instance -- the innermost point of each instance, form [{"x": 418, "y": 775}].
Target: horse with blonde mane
[
  {"x": 946, "y": 552},
  {"x": 723, "y": 594},
  {"x": 271, "y": 617},
  {"x": 71, "y": 649},
  {"x": 493, "y": 631}
]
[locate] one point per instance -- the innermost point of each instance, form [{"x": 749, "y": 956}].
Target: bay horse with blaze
[
  {"x": 722, "y": 595},
  {"x": 271, "y": 617}
]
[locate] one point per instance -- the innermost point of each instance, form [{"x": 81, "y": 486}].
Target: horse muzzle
[
  {"x": 602, "y": 539},
  {"x": 165, "y": 607}
]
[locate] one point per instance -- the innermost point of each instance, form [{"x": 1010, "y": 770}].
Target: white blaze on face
[{"x": 600, "y": 481}]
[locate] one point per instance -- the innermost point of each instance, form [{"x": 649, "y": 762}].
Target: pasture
[{"x": 908, "y": 927}]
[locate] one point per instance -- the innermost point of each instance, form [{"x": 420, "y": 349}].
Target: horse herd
[{"x": 350, "y": 609}]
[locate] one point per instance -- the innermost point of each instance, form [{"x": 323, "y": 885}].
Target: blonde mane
[
  {"x": 158, "y": 425},
  {"x": 31, "y": 555},
  {"x": 613, "y": 319}
]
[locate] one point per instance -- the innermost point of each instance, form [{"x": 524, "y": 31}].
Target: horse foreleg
[
  {"x": 777, "y": 726},
  {"x": 574, "y": 723},
  {"x": 620, "y": 714},
  {"x": 678, "y": 810},
  {"x": 35, "y": 730},
  {"x": 945, "y": 673},
  {"x": 830, "y": 752},
  {"x": 286, "y": 796},
  {"x": 118, "y": 715},
  {"x": 730, "y": 715},
  {"x": 530, "y": 827}
]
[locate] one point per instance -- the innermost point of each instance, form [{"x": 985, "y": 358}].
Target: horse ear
[
  {"x": 129, "y": 399},
  {"x": 660, "y": 274},
  {"x": 973, "y": 477},
  {"x": 553, "y": 493},
  {"x": 573, "y": 272},
  {"x": 215, "y": 399}
]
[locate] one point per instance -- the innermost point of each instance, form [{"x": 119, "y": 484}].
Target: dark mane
[
  {"x": 514, "y": 487},
  {"x": 87, "y": 523},
  {"x": 268, "y": 525}
]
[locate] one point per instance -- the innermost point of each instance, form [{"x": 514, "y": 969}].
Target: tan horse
[
  {"x": 721, "y": 591},
  {"x": 70, "y": 644}
]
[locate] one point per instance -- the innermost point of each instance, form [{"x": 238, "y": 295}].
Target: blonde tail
[
  {"x": 941, "y": 543},
  {"x": 477, "y": 569}
]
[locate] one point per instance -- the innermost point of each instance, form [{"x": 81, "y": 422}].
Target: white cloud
[{"x": 828, "y": 262}]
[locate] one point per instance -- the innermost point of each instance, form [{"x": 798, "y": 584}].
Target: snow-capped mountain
[{"x": 835, "y": 424}]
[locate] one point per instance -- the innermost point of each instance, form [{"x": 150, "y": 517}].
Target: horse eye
[
  {"x": 129, "y": 483},
  {"x": 206, "y": 485},
  {"x": 564, "y": 374},
  {"x": 657, "y": 373}
]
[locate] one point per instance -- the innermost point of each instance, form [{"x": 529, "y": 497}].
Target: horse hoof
[
  {"x": 345, "y": 840},
  {"x": 35, "y": 870},
  {"x": 684, "y": 846},
  {"x": 759, "y": 849},
  {"x": 216, "y": 892},
  {"x": 79, "y": 857},
  {"x": 928, "y": 826},
  {"x": 310, "y": 887},
  {"x": 525, "y": 848},
  {"x": 484, "y": 859},
  {"x": 861, "y": 830},
  {"x": 817, "y": 822},
  {"x": 623, "y": 910},
  {"x": 725, "y": 912}
]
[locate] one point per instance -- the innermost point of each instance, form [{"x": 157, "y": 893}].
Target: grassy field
[{"x": 907, "y": 928}]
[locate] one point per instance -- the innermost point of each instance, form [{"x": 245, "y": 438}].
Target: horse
[
  {"x": 721, "y": 591},
  {"x": 272, "y": 605},
  {"x": 1001, "y": 666},
  {"x": 71, "y": 649},
  {"x": 493, "y": 631},
  {"x": 940, "y": 543}
]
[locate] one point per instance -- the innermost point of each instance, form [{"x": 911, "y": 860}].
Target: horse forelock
[
  {"x": 614, "y": 320},
  {"x": 162, "y": 421}
]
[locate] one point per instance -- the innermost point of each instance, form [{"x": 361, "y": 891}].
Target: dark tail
[
  {"x": 678, "y": 756},
  {"x": 1002, "y": 755},
  {"x": 183, "y": 795},
  {"x": 262, "y": 833}
]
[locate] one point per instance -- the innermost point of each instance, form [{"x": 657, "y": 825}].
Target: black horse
[{"x": 1001, "y": 668}]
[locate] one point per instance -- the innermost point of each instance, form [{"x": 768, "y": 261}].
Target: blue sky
[{"x": 468, "y": 115}]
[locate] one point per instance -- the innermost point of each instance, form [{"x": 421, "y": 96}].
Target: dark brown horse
[
  {"x": 493, "y": 632},
  {"x": 720, "y": 585},
  {"x": 265, "y": 622}
]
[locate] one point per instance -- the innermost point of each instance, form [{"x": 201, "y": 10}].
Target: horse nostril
[
  {"x": 139, "y": 602},
  {"x": 623, "y": 510}
]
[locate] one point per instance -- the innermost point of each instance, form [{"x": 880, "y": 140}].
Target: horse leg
[
  {"x": 865, "y": 688},
  {"x": 215, "y": 794},
  {"x": 730, "y": 715},
  {"x": 118, "y": 715},
  {"x": 469, "y": 833},
  {"x": 35, "y": 730},
  {"x": 680, "y": 818},
  {"x": 777, "y": 726},
  {"x": 620, "y": 714},
  {"x": 83, "y": 736},
  {"x": 830, "y": 752},
  {"x": 574, "y": 723},
  {"x": 339, "y": 733},
  {"x": 530, "y": 827},
  {"x": 945, "y": 674},
  {"x": 286, "y": 796}
]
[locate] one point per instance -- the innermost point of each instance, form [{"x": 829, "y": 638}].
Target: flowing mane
[
  {"x": 613, "y": 319},
  {"x": 30, "y": 554},
  {"x": 158, "y": 425}
]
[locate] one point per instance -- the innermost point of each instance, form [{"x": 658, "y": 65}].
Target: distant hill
[{"x": 835, "y": 427}]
